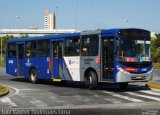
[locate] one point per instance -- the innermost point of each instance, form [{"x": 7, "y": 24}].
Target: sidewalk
[{"x": 153, "y": 84}]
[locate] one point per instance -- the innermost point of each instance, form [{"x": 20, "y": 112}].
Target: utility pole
[
  {"x": 126, "y": 22},
  {"x": 75, "y": 15},
  {"x": 18, "y": 24},
  {"x": 1, "y": 46}
]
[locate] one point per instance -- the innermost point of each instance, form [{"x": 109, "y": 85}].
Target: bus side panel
[
  {"x": 11, "y": 66},
  {"x": 72, "y": 68},
  {"x": 56, "y": 68},
  {"x": 41, "y": 64},
  {"x": 89, "y": 63},
  {"x": 43, "y": 68}
]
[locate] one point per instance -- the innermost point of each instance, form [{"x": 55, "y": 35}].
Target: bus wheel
[
  {"x": 33, "y": 76},
  {"x": 92, "y": 77},
  {"x": 123, "y": 85}
]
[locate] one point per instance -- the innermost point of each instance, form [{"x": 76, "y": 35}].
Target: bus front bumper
[{"x": 123, "y": 76}]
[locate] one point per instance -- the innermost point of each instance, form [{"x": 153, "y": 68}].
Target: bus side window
[
  {"x": 12, "y": 50},
  {"x": 55, "y": 47},
  {"x": 72, "y": 46},
  {"x": 21, "y": 51},
  {"x": 57, "y": 50},
  {"x": 90, "y": 45},
  {"x": 38, "y": 48},
  {"x": 30, "y": 49},
  {"x": 43, "y": 48},
  {"x": 60, "y": 50}
]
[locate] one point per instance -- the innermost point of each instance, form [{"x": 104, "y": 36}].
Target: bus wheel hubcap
[
  {"x": 90, "y": 79},
  {"x": 33, "y": 76}
]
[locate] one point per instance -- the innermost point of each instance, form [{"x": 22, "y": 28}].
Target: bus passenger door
[
  {"x": 107, "y": 58},
  {"x": 57, "y": 63},
  {"x": 20, "y": 56}
]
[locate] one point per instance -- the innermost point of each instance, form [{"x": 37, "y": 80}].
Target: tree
[
  {"x": 155, "y": 48},
  {"x": 8, "y": 37},
  {"x": 4, "y": 39}
]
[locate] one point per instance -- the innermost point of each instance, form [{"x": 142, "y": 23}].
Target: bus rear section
[
  {"x": 11, "y": 59},
  {"x": 28, "y": 58}
]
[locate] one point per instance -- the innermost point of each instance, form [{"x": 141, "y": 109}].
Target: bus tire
[
  {"x": 33, "y": 76},
  {"x": 123, "y": 86},
  {"x": 92, "y": 80}
]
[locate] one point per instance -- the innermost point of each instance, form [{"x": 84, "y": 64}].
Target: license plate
[{"x": 139, "y": 77}]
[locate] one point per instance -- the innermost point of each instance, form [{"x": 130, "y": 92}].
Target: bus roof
[
  {"x": 109, "y": 31},
  {"x": 58, "y": 36},
  {"x": 44, "y": 37}
]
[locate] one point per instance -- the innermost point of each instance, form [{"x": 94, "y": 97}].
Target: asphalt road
[{"x": 74, "y": 98}]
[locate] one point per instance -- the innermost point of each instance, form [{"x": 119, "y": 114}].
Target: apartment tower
[{"x": 49, "y": 20}]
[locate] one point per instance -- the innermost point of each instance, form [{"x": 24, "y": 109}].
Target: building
[{"x": 49, "y": 20}]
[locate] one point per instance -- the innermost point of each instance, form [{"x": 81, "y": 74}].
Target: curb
[
  {"x": 149, "y": 85},
  {"x": 5, "y": 93}
]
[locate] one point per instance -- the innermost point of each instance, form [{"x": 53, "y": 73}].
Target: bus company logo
[
  {"x": 71, "y": 62},
  {"x": 28, "y": 63}
]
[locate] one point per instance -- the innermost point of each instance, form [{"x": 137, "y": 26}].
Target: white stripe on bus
[{"x": 122, "y": 96}]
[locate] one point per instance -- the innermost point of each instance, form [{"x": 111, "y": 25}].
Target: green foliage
[
  {"x": 156, "y": 65},
  {"x": 155, "y": 48},
  {"x": 8, "y": 37},
  {"x": 26, "y": 36},
  {"x": 4, "y": 39}
]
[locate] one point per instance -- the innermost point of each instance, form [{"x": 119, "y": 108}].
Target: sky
[{"x": 90, "y": 14}]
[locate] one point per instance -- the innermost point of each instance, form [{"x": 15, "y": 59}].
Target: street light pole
[
  {"x": 126, "y": 22},
  {"x": 75, "y": 15},
  {"x": 56, "y": 17},
  {"x": 1, "y": 45},
  {"x": 18, "y": 23}
]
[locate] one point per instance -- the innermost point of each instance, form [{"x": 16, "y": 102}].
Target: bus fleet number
[{"x": 10, "y": 61}]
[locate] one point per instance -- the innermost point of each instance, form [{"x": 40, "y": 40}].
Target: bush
[{"x": 156, "y": 65}]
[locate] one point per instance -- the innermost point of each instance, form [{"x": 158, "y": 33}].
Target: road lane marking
[
  {"x": 8, "y": 101},
  {"x": 144, "y": 96},
  {"x": 122, "y": 96},
  {"x": 155, "y": 89},
  {"x": 17, "y": 90},
  {"x": 113, "y": 100},
  {"x": 151, "y": 92},
  {"x": 30, "y": 89},
  {"x": 38, "y": 103}
]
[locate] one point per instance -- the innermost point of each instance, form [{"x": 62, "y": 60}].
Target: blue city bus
[{"x": 110, "y": 56}]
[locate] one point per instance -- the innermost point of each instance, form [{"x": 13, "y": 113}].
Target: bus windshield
[{"x": 134, "y": 49}]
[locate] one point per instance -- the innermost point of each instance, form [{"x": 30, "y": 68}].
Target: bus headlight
[
  {"x": 149, "y": 72},
  {"x": 122, "y": 70}
]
